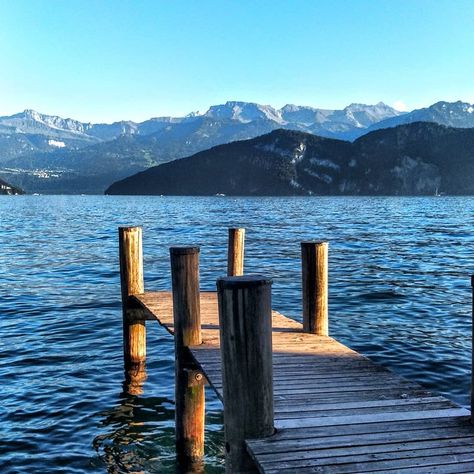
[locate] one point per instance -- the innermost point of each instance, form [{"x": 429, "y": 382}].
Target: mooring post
[
  {"x": 245, "y": 320},
  {"x": 235, "y": 252},
  {"x": 131, "y": 278},
  {"x": 314, "y": 266},
  {"x": 472, "y": 352},
  {"x": 189, "y": 383}
]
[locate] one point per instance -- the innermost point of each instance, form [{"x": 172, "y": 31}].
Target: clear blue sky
[{"x": 104, "y": 60}]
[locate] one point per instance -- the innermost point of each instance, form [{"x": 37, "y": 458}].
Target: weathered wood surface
[
  {"x": 245, "y": 317},
  {"x": 235, "y": 252},
  {"x": 131, "y": 282},
  {"x": 189, "y": 395},
  {"x": 335, "y": 410},
  {"x": 314, "y": 273}
]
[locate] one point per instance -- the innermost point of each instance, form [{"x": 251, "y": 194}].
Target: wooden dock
[{"x": 334, "y": 410}]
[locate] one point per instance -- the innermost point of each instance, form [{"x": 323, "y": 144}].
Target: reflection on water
[
  {"x": 129, "y": 442},
  {"x": 399, "y": 293},
  {"x": 135, "y": 378}
]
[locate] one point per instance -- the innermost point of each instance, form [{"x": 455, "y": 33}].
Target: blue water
[{"x": 399, "y": 293}]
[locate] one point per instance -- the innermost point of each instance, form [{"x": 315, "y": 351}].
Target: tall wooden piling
[
  {"x": 131, "y": 278},
  {"x": 245, "y": 320},
  {"x": 189, "y": 385},
  {"x": 235, "y": 252},
  {"x": 314, "y": 266}
]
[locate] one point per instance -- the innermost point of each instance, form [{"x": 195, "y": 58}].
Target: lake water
[{"x": 399, "y": 293}]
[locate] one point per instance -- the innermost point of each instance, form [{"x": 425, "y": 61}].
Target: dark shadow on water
[
  {"x": 137, "y": 433},
  {"x": 381, "y": 296}
]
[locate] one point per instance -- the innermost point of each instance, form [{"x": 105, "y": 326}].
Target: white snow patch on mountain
[
  {"x": 322, "y": 176},
  {"x": 324, "y": 163},
  {"x": 56, "y": 143}
]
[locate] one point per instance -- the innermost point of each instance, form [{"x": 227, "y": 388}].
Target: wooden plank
[
  {"x": 283, "y": 415},
  {"x": 364, "y": 453},
  {"x": 376, "y": 394},
  {"x": 383, "y": 381},
  {"x": 322, "y": 399},
  {"x": 296, "y": 448},
  {"x": 375, "y": 466},
  {"x": 321, "y": 380},
  {"x": 297, "y": 381},
  {"x": 334, "y": 389},
  {"x": 327, "y": 432},
  {"x": 295, "y": 359},
  {"x": 363, "y": 404},
  {"x": 375, "y": 418},
  {"x": 368, "y": 382},
  {"x": 457, "y": 467},
  {"x": 337, "y": 396}
]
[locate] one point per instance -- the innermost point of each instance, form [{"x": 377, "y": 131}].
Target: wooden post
[
  {"x": 245, "y": 319},
  {"x": 472, "y": 353},
  {"x": 235, "y": 252},
  {"x": 314, "y": 265},
  {"x": 189, "y": 384},
  {"x": 131, "y": 278}
]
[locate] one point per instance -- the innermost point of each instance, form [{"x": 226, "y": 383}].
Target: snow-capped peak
[
  {"x": 243, "y": 112},
  {"x": 31, "y": 114},
  {"x": 30, "y": 117}
]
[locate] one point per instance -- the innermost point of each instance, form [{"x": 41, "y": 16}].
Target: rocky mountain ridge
[
  {"x": 35, "y": 123},
  {"x": 48, "y": 154},
  {"x": 451, "y": 114}
]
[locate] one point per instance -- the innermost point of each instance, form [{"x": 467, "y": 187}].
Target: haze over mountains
[{"x": 43, "y": 153}]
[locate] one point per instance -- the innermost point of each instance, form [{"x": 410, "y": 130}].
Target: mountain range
[
  {"x": 419, "y": 158},
  {"x": 49, "y": 154}
]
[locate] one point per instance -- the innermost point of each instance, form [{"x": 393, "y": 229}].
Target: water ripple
[{"x": 399, "y": 293}]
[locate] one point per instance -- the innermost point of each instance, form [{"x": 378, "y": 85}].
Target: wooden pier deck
[{"x": 335, "y": 410}]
